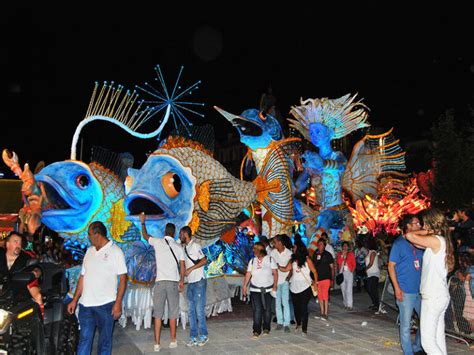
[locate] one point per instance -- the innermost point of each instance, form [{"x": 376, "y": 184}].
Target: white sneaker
[
  {"x": 203, "y": 340},
  {"x": 156, "y": 348},
  {"x": 173, "y": 344},
  {"x": 192, "y": 342}
]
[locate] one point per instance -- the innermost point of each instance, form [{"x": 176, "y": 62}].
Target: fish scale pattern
[
  {"x": 228, "y": 195},
  {"x": 205, "y": 168}
]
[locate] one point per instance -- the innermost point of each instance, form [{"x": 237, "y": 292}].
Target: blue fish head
[
  {"x": 257, "y": 129},
  {"x": 164, "y": 189},
  {"x": 74, "y": 195}
]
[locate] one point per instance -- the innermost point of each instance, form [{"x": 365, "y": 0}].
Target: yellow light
[{"x": 25, "y": 313}]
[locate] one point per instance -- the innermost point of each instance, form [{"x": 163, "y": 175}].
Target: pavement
[{"x": 359, "y": 331}]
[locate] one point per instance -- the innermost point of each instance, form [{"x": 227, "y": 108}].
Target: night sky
[{"x": 408, "y": 66}]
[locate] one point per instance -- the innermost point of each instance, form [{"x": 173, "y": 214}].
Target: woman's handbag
[{"x": 340, "y": 276}]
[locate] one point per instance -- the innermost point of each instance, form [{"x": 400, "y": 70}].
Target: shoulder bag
[
  {"x": 313, "y": 288},
  {"x": 340, "y": 276},
  {"x": 174, "y": 256}
]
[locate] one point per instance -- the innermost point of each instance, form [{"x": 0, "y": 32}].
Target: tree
[{"x": 453, "y": 154}]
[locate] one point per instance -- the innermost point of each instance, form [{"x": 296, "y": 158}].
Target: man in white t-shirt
[
  {"x": 195, "y": 260},
  {"x": 98, "y": 291},
  {"x": 282, "y": 257},
  {"x": 169, "y": 279}
]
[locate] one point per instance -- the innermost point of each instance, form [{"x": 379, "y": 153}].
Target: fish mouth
[
  {"x": 57, "y": 197},
  {"x": 141, "y": 201},
  {"x": 59, "y": 201},
  {"x": 245, "y": 126}
]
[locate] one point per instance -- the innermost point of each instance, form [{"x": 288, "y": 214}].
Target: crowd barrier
[
  {"x": 460, "y": 313},
  {"x": 459, "y": 317}
]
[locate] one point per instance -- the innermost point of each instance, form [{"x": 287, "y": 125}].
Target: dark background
[{"x": 408, "y": 65}]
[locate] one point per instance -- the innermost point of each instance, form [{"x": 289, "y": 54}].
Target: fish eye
[
  {"x": 171, "y": 183},
  {"x": 82, "y": 181},
  {"x": 262, "y": 115}
]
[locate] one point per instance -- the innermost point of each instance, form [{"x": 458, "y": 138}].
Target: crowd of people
[
  {"x": 420, "y": 261},
  {"x": 281, "y": 279}
]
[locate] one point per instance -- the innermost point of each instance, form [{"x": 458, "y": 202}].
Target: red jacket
[{"x": 350, "y": 261}]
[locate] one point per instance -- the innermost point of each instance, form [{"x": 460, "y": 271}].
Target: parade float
[
  {"x": 330, "y": 173},
  {"x": 182, "y": 183}
]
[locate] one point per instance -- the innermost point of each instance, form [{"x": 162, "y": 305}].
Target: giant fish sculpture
[
  {"x": 262, "y": 134},
  {"x": 181, "y": 183},
  {"x": 72, "y": 194}
]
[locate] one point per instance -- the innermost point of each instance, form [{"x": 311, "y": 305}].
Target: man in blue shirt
[{"x": 404, "y": 267}]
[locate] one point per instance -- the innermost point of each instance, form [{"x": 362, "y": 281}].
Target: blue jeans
[
  {"x": 196, "y": 293},
  {"x": 283, "y": 301},
  {"x": 411, "y": 301},
  {"x": 89, "y": 319},
  {"x": 292, "y": 310}
]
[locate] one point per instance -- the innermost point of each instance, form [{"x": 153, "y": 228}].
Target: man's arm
[
  {"x": 248, "y": 275},
  {"x": 393, "y": 277},
  {"x": 201, "y": 263},
  {"x": 144, "y": 232},
  {"x": 275, "y": 279},
  {"x": 117, "y": 307},
  {"x": 333, "y": 271},
  {"x": 182, "y": 270},
  {"x": 71, "y": 307}
]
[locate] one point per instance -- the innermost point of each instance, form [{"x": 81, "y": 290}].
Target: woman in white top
[
  {"x": 300, "y": 283},
  {"x": 372, "y": 269},
  {"x": 438, "y": 260},
  {"x": 263, "y": 278}
]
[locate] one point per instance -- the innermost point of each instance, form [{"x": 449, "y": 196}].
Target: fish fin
[
  {"x": 194, "y": 224},
  {"x": 181, "y": 142},
  {"x": 274, "y": 187},
  {"x": 118, "y": 223},
  {"x": 373, "y": 157},
  {"x": 220, "y": 208},
  {"x": 203, "y": 195}
]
